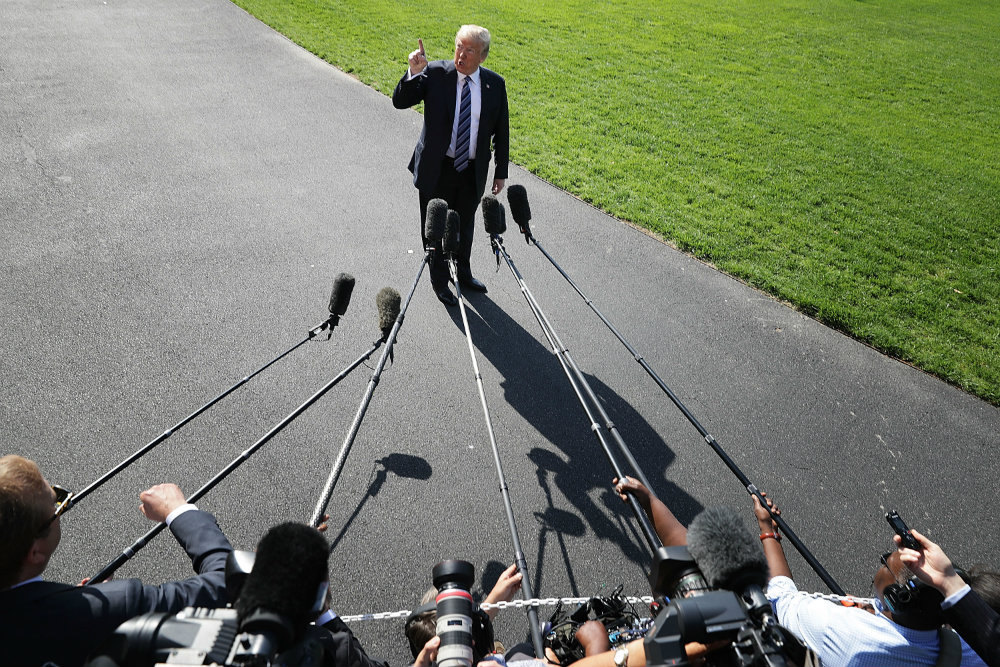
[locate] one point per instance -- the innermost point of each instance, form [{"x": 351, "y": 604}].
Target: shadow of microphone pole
[{"x": 518, "y": 198}]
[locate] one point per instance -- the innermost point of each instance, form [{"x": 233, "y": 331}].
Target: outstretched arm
[
  {"x": 930, "y": 564},
  {"x": 770, "y": 539},
  {"x": 670, "y": 531},
  {"x": 974, "y": 620}
]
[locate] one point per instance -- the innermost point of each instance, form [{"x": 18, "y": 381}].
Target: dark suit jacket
[
  {"x": 978, "y": 624},
  {"x": 47, "y": 621},
  {"x": 437, "y": 87}
]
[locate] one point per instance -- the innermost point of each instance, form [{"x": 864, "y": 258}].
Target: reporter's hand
[
  {"x": 428, "y": 654},
  {"x": 505, "y": 589},
  {"x": 159, "y": 501},
  {"x": 930, "y": 564},
  {"x": 764, "y": 519},
  {"x": 635, "y": 487},
  {"x": 593, "y": 637}
]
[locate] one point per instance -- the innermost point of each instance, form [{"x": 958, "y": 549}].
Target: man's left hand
[{"x": 498, "y": 184}]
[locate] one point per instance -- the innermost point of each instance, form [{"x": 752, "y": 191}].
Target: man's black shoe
[
  {"x": 471, "y": 283},
  {"x": 445, "y": 296}
]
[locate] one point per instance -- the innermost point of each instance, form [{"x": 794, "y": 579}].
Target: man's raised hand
[{"x": 418, "y": 59}]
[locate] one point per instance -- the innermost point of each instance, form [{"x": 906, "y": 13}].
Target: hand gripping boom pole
[
  {"x": 522, "y": 565},
  {"x": 522, "y": 214},
  {"x": 341, "y": 297},
  {"x": 317, "y": 516}
]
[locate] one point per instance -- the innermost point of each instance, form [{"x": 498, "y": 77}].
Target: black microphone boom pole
[
  {"x": 390, "y": 338},
  {"x": 125, "y": 555},
  {"x": 518, "y": 198},
  {"x": 495, "y": 225},
  {"x": 343, "y": 285},
  {"x": 522, "y": 565}
]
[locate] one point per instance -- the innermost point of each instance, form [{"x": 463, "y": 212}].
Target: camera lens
[{"x": 453, "y": 579}]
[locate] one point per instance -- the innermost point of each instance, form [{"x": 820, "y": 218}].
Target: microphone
[
  {"x": 343, "y": 285},
  {"x": 729, "y": 556},
  {"x": 387, "y": 300},
  {"x": 494, "y": 216},
  {"x": 517, "y": 197},
  {"x": 285, "y": 590},
  {"x": 434, "y": 221},
  {"x": 451, "y": 226}
]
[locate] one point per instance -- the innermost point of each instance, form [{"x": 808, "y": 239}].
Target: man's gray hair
[{"x": 478, "y": 33}]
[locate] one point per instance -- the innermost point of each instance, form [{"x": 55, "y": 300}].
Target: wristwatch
[{"x": 621, "y": 656}]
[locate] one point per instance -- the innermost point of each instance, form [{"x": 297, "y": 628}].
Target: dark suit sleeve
[
  {"x": 409, "y": 93},
  {"x": 200, "y": 536},
  {"x": 978, "y": 624},
  {"x": 501, "y": 138}
]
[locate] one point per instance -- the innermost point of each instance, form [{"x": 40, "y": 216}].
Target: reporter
[
  {"x": 670, "y": 531},
  {"x": 48, "y": 622},
  {"x": 977, "y": 622},
  {"x": 851, "y": 635}
]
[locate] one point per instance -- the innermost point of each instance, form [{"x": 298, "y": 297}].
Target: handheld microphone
[
  {"x": 517, "y": 197},
  {"x": 451, "y": 227},
  {"x": 729, "y": 556},
  {"x": 285, "y": 590},
  {"x": 494, "y": 215},
  {"x": 434, "y": 221},
  {"x": 387, "y": 300},
  {"x": 343, "y": 286}
]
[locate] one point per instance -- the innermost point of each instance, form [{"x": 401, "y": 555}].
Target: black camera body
[
  {"x": 275, "y": 594},
  {"x": 198, "y": 636},
  {"x": 695, "y": 612}
]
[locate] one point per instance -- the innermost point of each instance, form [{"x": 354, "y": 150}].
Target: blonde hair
[
  {"x": 478, "y": 33},
  {"x": 25, "y": 504}
]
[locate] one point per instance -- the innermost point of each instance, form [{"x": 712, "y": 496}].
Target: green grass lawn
[{"x": 841, "y": 155}]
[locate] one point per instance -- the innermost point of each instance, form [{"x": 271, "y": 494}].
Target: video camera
[
  {"x": 277, "y": 593},
  {"x": 713, "y": 593}
]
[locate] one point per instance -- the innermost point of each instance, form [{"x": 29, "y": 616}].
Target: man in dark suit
[
  {"x": 465, "y": 112},
  {"x": 46, "y": 622}
]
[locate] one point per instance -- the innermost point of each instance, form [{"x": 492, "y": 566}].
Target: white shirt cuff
[
  {"x": 186, "y": 507},
  {"x": 953, "y": 599}
]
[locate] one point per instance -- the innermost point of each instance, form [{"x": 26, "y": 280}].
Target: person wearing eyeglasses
[
  {"x": 43, "y": 622},
  {"x": 903, "y": 627}
]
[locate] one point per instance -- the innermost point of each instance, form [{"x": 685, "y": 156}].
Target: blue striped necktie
[{"x": 463, "y": 136}]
